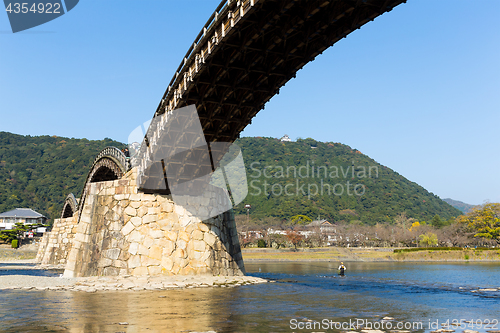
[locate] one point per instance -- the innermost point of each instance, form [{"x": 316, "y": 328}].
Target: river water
[{"x": 420, "y": 295}]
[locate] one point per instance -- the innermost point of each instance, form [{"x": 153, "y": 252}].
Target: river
[{"x": 417, "y": 295}]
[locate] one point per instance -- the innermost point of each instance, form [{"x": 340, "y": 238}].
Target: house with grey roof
[
  {"x": 323, "y": 224},
  {"x": 327, "y": 229},
  {"x": 22, "y": 215}
]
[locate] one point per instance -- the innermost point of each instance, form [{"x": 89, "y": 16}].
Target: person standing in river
[{"x": 342, "y": 268}]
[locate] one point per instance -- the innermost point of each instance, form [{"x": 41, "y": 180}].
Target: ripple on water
[{"x": 368, "y": 292}]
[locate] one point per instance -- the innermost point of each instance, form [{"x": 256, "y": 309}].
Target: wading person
[{"x": 341, "y": 269}]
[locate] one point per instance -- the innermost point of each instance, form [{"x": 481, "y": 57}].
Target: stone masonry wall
[
  {"x": 124, "y": 232},
  {"x": 56, "y": 244},
  {"x": 44, "y": 241}
]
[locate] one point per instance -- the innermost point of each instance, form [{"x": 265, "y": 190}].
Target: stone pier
[
  {"x": 55, "y": 245},
  {"x": 120, "y": 231}
]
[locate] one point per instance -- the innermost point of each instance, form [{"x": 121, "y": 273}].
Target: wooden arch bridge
[
  {"x": 249, "y": 49},
  {"x": 244, "y": 54}
]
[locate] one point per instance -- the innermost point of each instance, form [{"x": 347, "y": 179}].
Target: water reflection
[
  {"x": 157, "y": 311},
  {"x": 25, "y": 269},
  {"x": 302, "y": 291}
]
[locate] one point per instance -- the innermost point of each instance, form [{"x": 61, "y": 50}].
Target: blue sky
[{"x": 418, "y": 89}]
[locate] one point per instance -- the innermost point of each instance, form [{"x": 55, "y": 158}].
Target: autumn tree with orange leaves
[{"x": 294, "y": 237}]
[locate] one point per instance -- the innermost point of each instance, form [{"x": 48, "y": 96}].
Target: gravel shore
[
  {"x": 93, "y": 284},
  {"x": 25, "y": 253}
]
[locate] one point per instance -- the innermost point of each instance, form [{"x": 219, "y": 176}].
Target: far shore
[
  {"x": 27, "y": 254},
  {"x": 368, "y": 254}
]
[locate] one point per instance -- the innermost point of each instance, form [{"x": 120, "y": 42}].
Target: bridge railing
[
  {"x": 225, "y": 17},
  {"x": 117, "y": 154},
  {"x": 227, "y": 14},
  {"x": 144, "y": 157}
]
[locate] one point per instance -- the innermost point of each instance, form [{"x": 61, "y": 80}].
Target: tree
[
  {"x": 437, "y": 221},
  {"x": 294, "y": 237},
  {"x": 454, "y": 234},
  {"x": 428, "y": 239},
  {"x": 245, "y": 240},
  {"x": 277, "y": 239},
  {"x": 300, "y": 219},
  {"x": 8, "y": 235},
  {"x": 484, "y": 221},
  {"x": 414, "y": 226},
  {"x": 11, "y": 234},
  {"x": 403, "y": 220}
]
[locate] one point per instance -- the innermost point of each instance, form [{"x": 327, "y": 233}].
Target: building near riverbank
[{"x": 21, "y": 215}]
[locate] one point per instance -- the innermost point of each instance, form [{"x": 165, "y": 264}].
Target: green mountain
[
  {"x": 462, "y": 206},
  {"x": 285, "y": 179},
  {"x": 330, "y": 180},
  {"x": 39, "y": 172}
]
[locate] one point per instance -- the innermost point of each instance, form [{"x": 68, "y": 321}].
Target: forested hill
[
  {"x": 39, "y": 172},
  {"x": 285, "y": 179},
  {"x": 462, "y": 206},
  {"x": 341, "y": 184}
]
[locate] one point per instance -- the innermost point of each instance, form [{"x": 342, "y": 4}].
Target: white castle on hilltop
[{"x": 285, "y": 138}]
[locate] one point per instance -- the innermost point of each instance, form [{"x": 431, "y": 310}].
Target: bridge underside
[
  {"x": 262, "y": 52},
  {"x": 241, "y": 60}
]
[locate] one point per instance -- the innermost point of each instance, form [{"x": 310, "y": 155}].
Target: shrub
[
  {"x": 261, "y": 243},
  {"x": 466, "y": 257},
  {"x": 414, "y": 249},
  {"x": 15, "y": 244},
  {"x": 482, "y": 248}
]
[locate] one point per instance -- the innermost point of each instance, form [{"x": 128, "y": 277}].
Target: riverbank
[
  {"x": 28, "y": 254},
  {"x": 367, "y": 254},
  {"x": 22, "y": 275},
  {"x": 18, "y": 270},
  {"x": 95, "y": 284},
  {"x": 7, "y": 253}
]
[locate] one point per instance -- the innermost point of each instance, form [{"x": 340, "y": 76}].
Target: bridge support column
[
  {"x": 122, "y": 231},
  {"x": 56, "y": 244}
]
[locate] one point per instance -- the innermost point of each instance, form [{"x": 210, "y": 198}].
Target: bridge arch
[
  {"x": 104, "y": 170},
  {"x": 70, "y": 206},
  {"x": 110, "y": 164}
]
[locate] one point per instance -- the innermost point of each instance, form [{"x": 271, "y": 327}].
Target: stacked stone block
[
  {"x": 56, "y": 245},
  {"x": 124, "y": 232}
]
